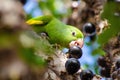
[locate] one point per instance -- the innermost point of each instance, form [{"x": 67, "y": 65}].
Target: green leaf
[
  {"x": 109, "y": 11},
  {"x": 53, "y": 7},
  {"x": 98, "y": 51}
]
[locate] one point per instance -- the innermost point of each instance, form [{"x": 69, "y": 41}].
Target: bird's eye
[{"x": 73, "y": 33}]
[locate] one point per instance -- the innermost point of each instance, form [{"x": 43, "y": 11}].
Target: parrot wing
[{"x": 40, "y": 21}]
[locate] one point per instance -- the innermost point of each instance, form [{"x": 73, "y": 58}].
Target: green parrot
[{"x": 57, "y": 32}]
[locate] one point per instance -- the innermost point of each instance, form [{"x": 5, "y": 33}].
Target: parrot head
[{"x": 76, "y": 37}]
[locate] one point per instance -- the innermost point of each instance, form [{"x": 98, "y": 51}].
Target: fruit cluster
[
  {"x": 105, "y": 66},
  {"x": 110, "y": 62},
  {"x": 72, "y": 65}
]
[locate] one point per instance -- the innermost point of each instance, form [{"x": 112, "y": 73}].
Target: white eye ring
[{"x": 73, "y": 33}]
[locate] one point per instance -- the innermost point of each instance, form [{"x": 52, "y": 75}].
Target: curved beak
[{"x": 79, "y": 42}]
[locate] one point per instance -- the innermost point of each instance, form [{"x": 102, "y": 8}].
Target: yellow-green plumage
[{"x": 58, "y": 32}]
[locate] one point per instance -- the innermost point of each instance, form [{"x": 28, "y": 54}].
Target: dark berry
[
  {"x": 89, "y": 28},
  {"x": 86, "y": 75},
  {"x": 23, "y": 1},
  {"x": 118, "y": 71},
  {"x": 114, "y": 75},
  {"x": 75, "y": 52},
  {"x": 72, "y": 65},
  {"x": 102, "y": 62},
  {"x": 92, "y": 37},
  {"x": 105, "y": 72},
  {"x": 117, "y": 64},
  {"x": 118, "y": 74}
]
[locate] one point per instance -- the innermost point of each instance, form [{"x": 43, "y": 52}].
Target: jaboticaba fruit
[
  {"x": 117, "y": 64},
  {"x": 102, "y": 62},
  {"x": 86, "y": 75},
  {"x": 75, "y": 52},
  {"x": 23, "y": 1},
  {"x": 89, "y": 29},
  {"x": 105, "y": 72},
  {"x": 72, "y": 65}
]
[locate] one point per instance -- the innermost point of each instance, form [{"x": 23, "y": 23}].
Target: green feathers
[{"x": 58, "y": 32}]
